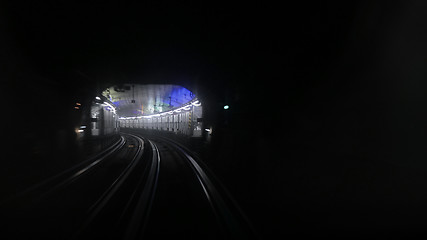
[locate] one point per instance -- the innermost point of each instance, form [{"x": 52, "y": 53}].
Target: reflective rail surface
[
  {"x": 122, "y": 210},
  {"x": 58, "y": 207},
  {"x": 140, "y": 188},
  {"x": 190, "y": 202},
  {"x": 140, "y": 216},
  {"x": 42, "y": 189}
]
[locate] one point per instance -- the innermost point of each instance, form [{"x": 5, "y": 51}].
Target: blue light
[
  {"x": 178, "y": 96},
  {"x": 226, "y": 107}
]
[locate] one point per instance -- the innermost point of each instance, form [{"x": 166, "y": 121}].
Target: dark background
[{"x": 326, "y": 128}]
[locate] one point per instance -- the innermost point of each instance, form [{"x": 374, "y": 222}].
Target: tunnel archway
[{"x": 164, "y": 107}]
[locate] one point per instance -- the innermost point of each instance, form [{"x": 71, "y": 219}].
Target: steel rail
[
  {"x": 137, "y": 208},
  {"x": 97, "y": 207},
  {"x": 139, "y": 218},
  {"x": 227, "y": 220},
  {"x": 80, "y": 169}
]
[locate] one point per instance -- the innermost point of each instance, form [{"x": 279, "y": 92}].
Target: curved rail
[
  {"x": 114, "y": 187},
  {"x": 129, "y": 197},
  {"x": 141, "y": 213},
  {"x": 230, "y": 217},
  {"x": 67, "y": 176}
]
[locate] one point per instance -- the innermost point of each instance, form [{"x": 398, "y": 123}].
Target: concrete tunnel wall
[{"x": 186, "y": 120}]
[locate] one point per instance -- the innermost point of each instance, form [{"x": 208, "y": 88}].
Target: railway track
[
  {"x": 44, "y": 188},
  {"x": 122, "y": 211},
  {"x": 55, "y": 208},
  {"x": 190, "y": 201},
  {"x": 138, "y": 188}
]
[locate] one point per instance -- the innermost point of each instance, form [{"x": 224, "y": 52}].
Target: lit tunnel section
[
  {"x": 186, "y": 119},
  {"x": 162, "y": 107},
  {"x": 99, "y": 120},
  {"x": 104, "y": 119}
]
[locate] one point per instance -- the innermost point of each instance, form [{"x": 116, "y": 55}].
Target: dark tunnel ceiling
[
  {"x": 230, "y": 48},
  {"x": 124, "y": 39},
  {"x": 145, "y": 99}
]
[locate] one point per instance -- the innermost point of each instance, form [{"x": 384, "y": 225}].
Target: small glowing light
[
  {"x": 97, "y": 98},
  {"x": 207, "y": 130},
  {"x": 76, "y": 107},
  {"x": 82, "y": 126},
  {"x": 78, "y": 104},
  {"x": 113, "y": 109},
  {"x": 197, "y": 103},
  {"x": 79, "y": 130},
  {"x": 226, "y": 107}
]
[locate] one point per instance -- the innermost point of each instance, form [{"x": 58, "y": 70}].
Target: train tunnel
[{"x": 213, "y": 120}]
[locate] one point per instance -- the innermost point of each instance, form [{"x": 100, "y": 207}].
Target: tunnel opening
[{"x": 159, "y": 107}]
